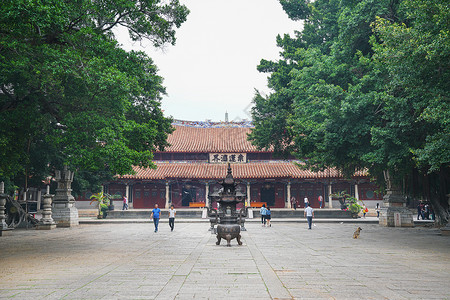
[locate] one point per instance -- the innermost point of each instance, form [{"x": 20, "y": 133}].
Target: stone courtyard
[{"x": 286, "y": 261}]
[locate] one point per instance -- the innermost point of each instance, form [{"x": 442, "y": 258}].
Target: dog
[{"x": 357, "y": 233}]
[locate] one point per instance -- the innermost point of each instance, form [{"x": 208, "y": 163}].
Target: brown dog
[{"x": 357, "y": 233}]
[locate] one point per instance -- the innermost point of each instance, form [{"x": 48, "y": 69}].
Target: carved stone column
[
  {"x": 167, "y": 195},
  {"x": 3, "y": 225},
  {"x": 65, "y": 213},
  {"x": 330, "y": 198},
  {"x": 394, "y": 211},
  {"x": 446, "y": 230},
  {"x": 46, "y": 222},
  {"x": 248, "y": 195},
  {"x": 288, "y": 195},
  {"x": 206, "y": 194}
]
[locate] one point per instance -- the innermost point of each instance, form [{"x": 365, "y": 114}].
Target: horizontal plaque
[{"x": 222, "y": 158}]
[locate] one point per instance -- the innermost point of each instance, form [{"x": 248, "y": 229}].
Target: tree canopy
[
  {"x": 364, "y": 85},
  {"x": 69, "y": 95}
]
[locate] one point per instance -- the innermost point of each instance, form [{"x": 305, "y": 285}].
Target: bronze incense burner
[{"x": 228, "y": 219}]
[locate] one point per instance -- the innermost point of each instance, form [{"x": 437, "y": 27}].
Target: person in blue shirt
[
  {"x": 268, "y": 216},
  {"x": 263, "y": 211},
  {"x": 155, "y": 215}
]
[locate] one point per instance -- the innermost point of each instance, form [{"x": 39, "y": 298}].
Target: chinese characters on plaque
[{"x": 220, "y": 158}]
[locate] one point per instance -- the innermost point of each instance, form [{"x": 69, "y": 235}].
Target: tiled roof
[
  {"x": 284, "y": 169},
  {"x": 210, "y": 140}
]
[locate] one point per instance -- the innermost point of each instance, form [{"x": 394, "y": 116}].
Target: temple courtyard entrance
[{"x": 286, "y": 261}]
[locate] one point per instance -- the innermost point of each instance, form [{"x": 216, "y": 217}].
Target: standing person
[
  {"x": 125, "y": 203},
  {"x": 378, "y": 210},
  {"x": 426, "y": 211},
  {"x": 306, "y": 201},
  {"x": 155, "y": 215},
  {"x": 263, "y": 211},
  {"x": 320, "y": 201},
  {"x": 364, "y": 210},
  {"x": 172, "y": 214},
  {"x": 294, "y": 203},
  {"x": 268, "y": 216},
  {"x": 309, "y": 214},
  {"x": 419, "y": 211}
]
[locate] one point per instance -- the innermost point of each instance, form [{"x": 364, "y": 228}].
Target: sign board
[
  {"x": 397, "y": 220},
  {"x": 223, "y": 158},
  {"x": 250, "y": 213}
]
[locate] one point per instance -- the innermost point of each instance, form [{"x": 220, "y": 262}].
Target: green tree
[
  {"x": 363, "y": 86},
  {"x": 70, "y": 95}
]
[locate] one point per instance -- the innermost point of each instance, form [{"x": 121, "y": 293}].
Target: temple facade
[{"x": 198, "y": 157}]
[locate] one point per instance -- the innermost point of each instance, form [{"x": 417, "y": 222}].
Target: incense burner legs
[{"x": 228, "y": 232}]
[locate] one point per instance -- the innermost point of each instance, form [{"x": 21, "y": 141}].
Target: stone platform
[
  {"x": 187, "y": 213},
  {"x": 286, "y": 261}
]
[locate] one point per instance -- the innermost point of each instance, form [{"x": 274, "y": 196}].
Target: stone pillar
[
  {"x": 446, "y": 230},
  {"x": 356, "y": 192},
  {"x": 330, "y": 198},
  {"x": 46, "y": 222},
  {"x": 128, "y": 193},
  {"x": 288, "y": 195},
  {"x": 207, "y": 194},
  {"x": 394, "y": 202},
  {"x": 65, "y": 213},
  {"x": 167, "y": 194},
  {"x": 248, "y": 194},
  {"x": 3, "y": 225}
]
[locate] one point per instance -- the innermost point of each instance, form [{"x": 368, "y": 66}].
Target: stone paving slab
[{"x": 286, "y": 261}]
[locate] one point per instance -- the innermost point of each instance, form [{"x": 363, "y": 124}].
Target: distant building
[{"x": 198, "y": 157}]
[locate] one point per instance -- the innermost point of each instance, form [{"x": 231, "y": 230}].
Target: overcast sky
[{"x": 212, "y": 67}]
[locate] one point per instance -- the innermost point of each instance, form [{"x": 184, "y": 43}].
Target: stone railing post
[
  {"x": 394, "y": 212},
  {"x": 3, "y": 225},
  {"x": 65, "y": 213},
  {"x": 46, "y": 222}
]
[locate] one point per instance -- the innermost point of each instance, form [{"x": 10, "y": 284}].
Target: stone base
[
  {"x": 65, "y": 215},
  {"x": 45, "y": 226},
  {"x": 387, "y": 216},
  {"x": 446, "y": 230}
]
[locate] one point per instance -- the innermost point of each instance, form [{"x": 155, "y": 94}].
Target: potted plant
[
  {"x": 341, "y": 196},
  {"x": 103, "y": 202},
  {"x": 353, "y": 206}
]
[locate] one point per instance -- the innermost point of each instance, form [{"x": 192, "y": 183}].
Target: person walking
[
  {"x": 155, "y": 215},
  {"x": 309, "y": 214},
  {"x": 320, "y": 198},
  {"x": 294, "y": 203},
  {"x": 364, "y": 209},
  {"x": 306, "y": 201},
  {"x": 125, "y": 203},
  {"x": 263, "y": 212},
  {"x": 268, "y": 217},
  {"x": 172, "y": 214}
]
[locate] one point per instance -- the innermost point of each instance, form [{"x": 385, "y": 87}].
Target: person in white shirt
[
  {"x": 172, "y": 214},
  {"x": 309, "y": 214},
  {"x": 306, "y": 201}
]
